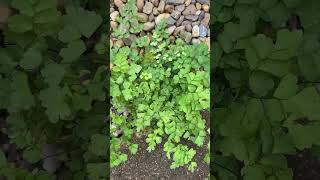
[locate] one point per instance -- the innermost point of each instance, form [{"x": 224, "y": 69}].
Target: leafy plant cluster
[
  {"x": 53, "y": 86},
  {"x": 158, "y": 91},
  {"x": 266, "y": 67}
]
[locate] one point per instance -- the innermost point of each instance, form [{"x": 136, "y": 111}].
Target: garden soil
[{"x": 156, "y": 166}]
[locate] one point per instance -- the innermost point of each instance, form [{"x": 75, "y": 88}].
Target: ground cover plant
[
  {"x": 53, "y": 90},
  {"x": 158, "y": 89},
  {"x": 266, "y": 103}
]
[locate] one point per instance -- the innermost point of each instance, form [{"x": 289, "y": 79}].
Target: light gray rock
[
  {"x": 206, "y": 19},
  {"x": 161, "y": 6},
  {"x": 151, "y": 18},
  {"x": 155, "y": 11},
  {"x": 162, "y": 16},
  {"x": 171, "y": 21},
  {"x": 169, "y": 8},
  {"x": 176, "y": 14},
  {"x": 148, "y": 26},
  {"x": 190, "y": 10},
  {"x": 189, "y": 28},
  {"x": 179, "y": 21},
  {"x": 186, "y": 36},
  {"x": 175, "y": 2},
  {"x": 191, "y": 17},
  {"x": 171, "y": 29},
  {"x": 195, "y": 31},
  {"x": 180, "y": 8},
  {"x": 202, "y": 30},
  {"x": 147, "y": 8},
  {"x": 114, "y": 15},
  {"x": 203, "y": 1},
  {"x": 178, "y": 30},
  {"x": 155, "y": 2}
]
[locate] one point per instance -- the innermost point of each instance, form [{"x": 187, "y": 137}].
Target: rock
[
  {"x": 147, "y": 8},
  {"x": 114, "y": 15},
  {"x": 151, "y": 18},
  {"x": 203, "y": 1},
  {"x": 50, "y": 161},
  {"x": 161, "y": 6},
  {"x": 190, "y": 10},
  {"x": 171, "y": 29},
  {"x": 113, "y": 24},
  {"x": 198, "y": 12},
  {"x": 180, "y": 7},
  {"x": 128, "y": 41},
  {"x": 119, "y": 43},
  {"x": 193, "y": 1},
  {"x": 192, "y": 17},
  {"x": 188, "y": 2},
  {"x": 178, "y": 30},
  {"x": 201, "y": 15},
  {"x": 189, "y": 28},
  {"x": 155, "y": 11},
  {"x": 118, "y": 3},
  {"x": 195, "y": 41},
  {"x": 184, "y": 23},
  {"x": 171, "y": 21},
  {"x": 169, "y": 8},
  {"x": 175, "y": 2},
  {"x": 206, "y": 19},
  {"x": 162, "y": 16},
  {"x": 198, "y": 6},
  {"x": 140, "y": 4},
  {"x": 111, "y": 10},
  {"x": 155, "y": 2},
  {"x": 207, "y": 41},
  {"x": 143, "y": 17},
  {"x": 195, "y": 31},
  {"x": 202, "y": 30},
  {"x": 179, "y": 21},
  {"x": 176, "y": 14},
  {"x": 195, "y": 23},
  {"x": 186, "y": 36},
  {"x": 205, "y": 7},
  {"x": 208, "y": 32},
  {"x": 148, "y": 26},
  {"x": 123, "y": 28},
  {"x": 172, "y": 39}
]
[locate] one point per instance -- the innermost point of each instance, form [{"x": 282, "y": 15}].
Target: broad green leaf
[
  {"x": 261, "y": 83},
  {"x": 69, "y": 33},
  {"x": 262, "y": 45},
  {"x": 308, "y": 102},
  {"x": 99, "y": 144},
  {"x": 32, "y": 155},
  {"x": 73, "y": 52},
  {"x": 3, "y": 160},
  {"x": 287, "y": 87},
  {"x": 54, "y": 100},
  {"x": 254, "y": 173},
  {"x": 24, "y": 6},
  {"x": 21, "y": 98},
  {"x": 20, "y": 23},
  {"x": 53, "y": 73},
  {"x": 31, "y": 59}
]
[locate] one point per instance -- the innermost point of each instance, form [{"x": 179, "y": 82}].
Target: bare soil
[{"x": 156, "y": 166}]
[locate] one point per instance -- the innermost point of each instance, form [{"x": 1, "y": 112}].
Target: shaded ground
[
  {"x": 156, "y": 166},
  {"x": 305, "y": 166}
]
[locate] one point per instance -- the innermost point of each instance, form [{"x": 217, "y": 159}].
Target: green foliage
[
  {"x": 54, "y": 88},
  {"x": 158, "y": 90},
  {"x": 265, "y": 99}
]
